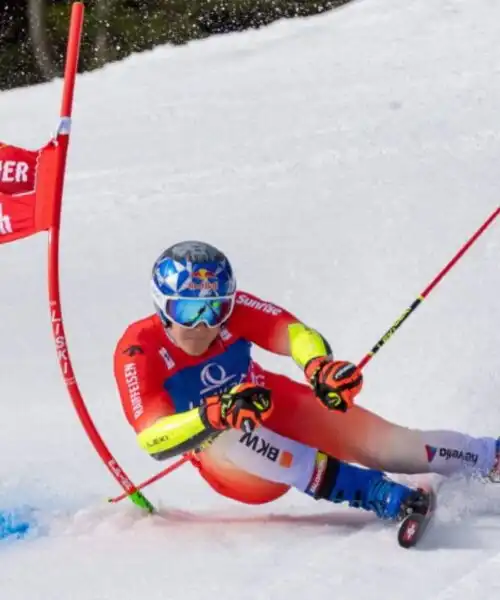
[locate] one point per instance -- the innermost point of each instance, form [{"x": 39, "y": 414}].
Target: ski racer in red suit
[{"x": 188, "y": 383}]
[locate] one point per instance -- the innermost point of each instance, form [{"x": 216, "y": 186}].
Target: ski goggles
[{"x": 190, "y": 312}]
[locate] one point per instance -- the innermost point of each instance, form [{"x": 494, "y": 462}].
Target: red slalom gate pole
[
  {"x": 62, "y": 142},
  {"x": 178, "y": 463},
  {"x": 397, "y": 324}
]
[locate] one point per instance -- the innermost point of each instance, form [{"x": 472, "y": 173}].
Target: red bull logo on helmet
[{"x": 204, "y": 280}]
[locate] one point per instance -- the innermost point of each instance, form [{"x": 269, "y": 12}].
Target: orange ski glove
[
  {"x": 335, "y": 382},
  {"x": 244, "y": 406}
]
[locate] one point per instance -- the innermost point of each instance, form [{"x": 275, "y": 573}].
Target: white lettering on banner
[
  {"x": 13, "y": 171},
  {"x": 213, "y": 376},
  {"x": 265, "y": 307},
  {"x": 61, "y": 346},
  {"x": 134, "y": 390},
  {"x": 5, "y": 225}
]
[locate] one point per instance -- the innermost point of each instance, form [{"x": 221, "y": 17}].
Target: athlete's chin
[
  {"x": 196, "y": 341},
  {"x": 194, "y": 348}
]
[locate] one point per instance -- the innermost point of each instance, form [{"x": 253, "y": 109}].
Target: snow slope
[{"x": 340, "y": 161}]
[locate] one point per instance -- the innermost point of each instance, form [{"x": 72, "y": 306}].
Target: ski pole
[
  {"x": 154, "y": 478},
  {"x": 397, "y": 324}
]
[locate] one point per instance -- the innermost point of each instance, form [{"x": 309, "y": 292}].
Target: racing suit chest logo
[
  {"x": 189, "y": 385},
  {"x": 214, "y": 377}
]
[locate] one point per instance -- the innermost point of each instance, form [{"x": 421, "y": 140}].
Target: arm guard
[
  {"x": 306, "y": 344},
  {"x": 175, "y": 434}
]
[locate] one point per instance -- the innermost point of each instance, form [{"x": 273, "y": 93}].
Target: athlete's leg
[
  {"x": 274, "y": 458},
  {"x": 232, "y": 481},
  {"x": 365, "y": 438}
]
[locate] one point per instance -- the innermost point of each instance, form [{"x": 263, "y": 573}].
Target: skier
[{"x": 188, "y": 384}]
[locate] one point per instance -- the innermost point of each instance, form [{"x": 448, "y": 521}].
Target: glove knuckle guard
[
  {"x": 335, "y": 383},
  {"x": 344, "y": 370},
  {"x": 243, "y": 404}
]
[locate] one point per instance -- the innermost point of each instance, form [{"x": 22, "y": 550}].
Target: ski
[{"x": 414, "y": 524}]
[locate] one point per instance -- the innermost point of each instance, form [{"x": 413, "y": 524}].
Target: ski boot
[
  {"x": 412, "y": 508},
  {"x": 418, "y": 502},
  {"x": 368, "y": 489},
  {"x": 371, "y": 490},
  {"x": 391, "y": 500}
]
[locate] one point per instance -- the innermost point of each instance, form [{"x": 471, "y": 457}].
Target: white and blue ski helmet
[{"x": 193, "y": 282}]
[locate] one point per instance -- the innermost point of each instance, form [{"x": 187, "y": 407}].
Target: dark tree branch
[{"x": 37, "y": 19}]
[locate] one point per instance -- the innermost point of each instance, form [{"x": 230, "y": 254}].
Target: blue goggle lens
[{"x": 191, "y": 312}]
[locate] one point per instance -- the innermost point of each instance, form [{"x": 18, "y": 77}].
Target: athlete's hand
[
  {"x": 335, "y": 383},
  {"x": 245, "y": 406}
]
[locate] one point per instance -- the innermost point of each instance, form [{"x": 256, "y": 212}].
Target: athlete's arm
[
  {"x": 243, "y": 406},
  {"x": 175, "y": 434},
  {"x": 275, "y": 329},
  {"x": 139, "y": 373},
  {"x": 335, "y": 383}
]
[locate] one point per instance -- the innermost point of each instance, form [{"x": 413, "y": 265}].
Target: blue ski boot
[
  {"x": 387, "y": 498},
  {"x": 369, "y": 489}
]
